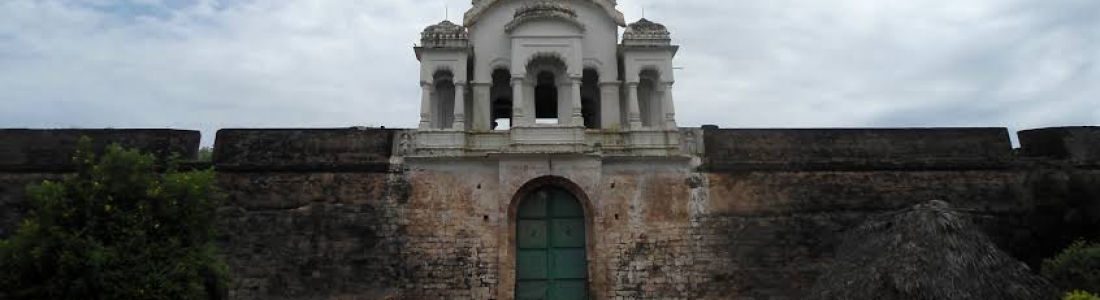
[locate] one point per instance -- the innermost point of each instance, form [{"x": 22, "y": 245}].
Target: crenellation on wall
[{"x": 1076, "y": 145}]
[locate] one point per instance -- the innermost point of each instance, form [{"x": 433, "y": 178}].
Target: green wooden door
[{"x": 550, "y": 237}]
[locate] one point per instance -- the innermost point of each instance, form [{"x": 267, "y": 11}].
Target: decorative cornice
[
  {"x": 481, "y": 6},
  {"x": 543, "y": 10}
]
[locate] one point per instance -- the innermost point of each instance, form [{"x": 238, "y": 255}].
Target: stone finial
[
  {"x": 646, "y": 33},
  {"x": 445, "y": 35}
]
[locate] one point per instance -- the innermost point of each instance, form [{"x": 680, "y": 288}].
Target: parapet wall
[
  {"x": 329, "y": 213},
  {"x": 1078, "y": 145},
  {"x": 344, "y": 149},
  {"x": 52, "y": 150},
  {"x": 861, "y": 149}
]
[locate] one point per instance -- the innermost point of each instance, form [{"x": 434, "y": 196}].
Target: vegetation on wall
[
  {"x": 1077, "y": 268},
  {"x": 206, "y": 154},
  {"x": 1080, "y": 295},
  {"x": 121, "y": 227}
]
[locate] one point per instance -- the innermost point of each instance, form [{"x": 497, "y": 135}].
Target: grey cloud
[{"x": 208, "y": 64}]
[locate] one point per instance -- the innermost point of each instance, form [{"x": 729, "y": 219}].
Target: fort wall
[{"x": 339, "y": 214}]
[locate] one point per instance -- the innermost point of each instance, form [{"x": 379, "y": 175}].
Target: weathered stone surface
[
  {"x": 856, "y": 149},
  {"x": 52, "y": 149},
  {"x": 1079, "y": 145},
  {"x": 303, "y": 149},
  {"x": 312, "y": 236},
  {"x": 324, "y": 214}
]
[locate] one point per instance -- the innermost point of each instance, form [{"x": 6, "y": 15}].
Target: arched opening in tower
[
  {"x": 546, "y": 98},
  {"x": 545, "y": 79},
  {"x": 443, "y": 104},
  {"x": 501, "y": 105},
  {"x": 590, "y": 99},
  {"x": 649, "y": 98}
]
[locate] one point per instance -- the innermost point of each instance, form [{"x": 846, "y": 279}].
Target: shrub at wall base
[{"x": 116, "y": 229}]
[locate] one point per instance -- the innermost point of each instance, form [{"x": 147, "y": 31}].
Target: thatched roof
[{"x": 926, "y": 252}]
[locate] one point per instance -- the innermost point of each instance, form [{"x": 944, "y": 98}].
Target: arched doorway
[{"x": 551, "y": 262}]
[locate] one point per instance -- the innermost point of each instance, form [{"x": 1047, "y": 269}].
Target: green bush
[
  {"x": 1076, "y": 268},
  {"x": 118, "y": 228},
  {"x": 1080, "y": 295}
]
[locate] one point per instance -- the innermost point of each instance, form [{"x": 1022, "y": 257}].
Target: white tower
[{"x": 545, "y": 76}]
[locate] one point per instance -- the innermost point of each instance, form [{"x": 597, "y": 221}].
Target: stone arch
[
  {"x": 555, "y": 181},
  {"x": 548, "y": 56},
  {"x": 499, "y": 63},
  {"x": 547, "y": 74},
  {"x": 651, "y": 69},
  {"x": 593, "y": 63},
  {"x": 589, "y": 216},
  {"x": 442, "y": 68}
]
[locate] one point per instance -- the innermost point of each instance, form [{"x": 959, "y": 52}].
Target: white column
[
  {"x": 668, "y": 107},
  {"x": 609, "y": 101},
  {"x": 480, "y": 117},
  {"x": 425, "y": 105},
  {"x": 517, "y": 100},
  {"x": 530, "y": 110},
  {"x": 578, "y": 119},
  {"x": 633, "y": 115},
  {"x": 565, "y": 103},
  {"x": 460, "y": 106}
]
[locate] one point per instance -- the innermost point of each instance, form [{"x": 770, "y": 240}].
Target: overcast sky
[{"x": 209, "y": 64}]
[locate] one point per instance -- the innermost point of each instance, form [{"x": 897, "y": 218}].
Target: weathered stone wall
[
  {"x": 311, "y": 214},
  {"x": 855, "y": 149},
  {"x": 333, "y": 214},
  {"x": 317, "y": 150},
  {"x": 778, "y": 200},
  {"x": 1078, "y": 145}
]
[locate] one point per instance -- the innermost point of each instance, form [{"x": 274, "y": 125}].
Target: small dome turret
[
  {"x": 444, "y": 35},
  {"x": 646, "y": 33}
]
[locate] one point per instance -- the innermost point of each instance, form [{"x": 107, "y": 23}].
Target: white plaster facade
[{"x": 551, "y": 70}]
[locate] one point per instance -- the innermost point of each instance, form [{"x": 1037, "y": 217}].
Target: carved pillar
[
  {"x": 633, "y": 115},
  {"x": 565, "y": 103},
  {"x": 460, "y": 106},
  {"x": 425, "y": 105},
  {"x": 668, "y": 107},
  {"x": 609, "y": 109},
  {"x": 578, "y": 119},
  {"x": 482, "y": 114},
  {"x": 518, "y": 107}
]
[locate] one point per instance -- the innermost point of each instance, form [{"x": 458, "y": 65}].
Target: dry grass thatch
[{"x": 926, "y": 252}]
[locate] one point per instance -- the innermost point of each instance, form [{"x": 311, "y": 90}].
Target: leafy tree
[
  {"x": 1076, "y": 268},
  {"x": 121, "y": 227}
]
